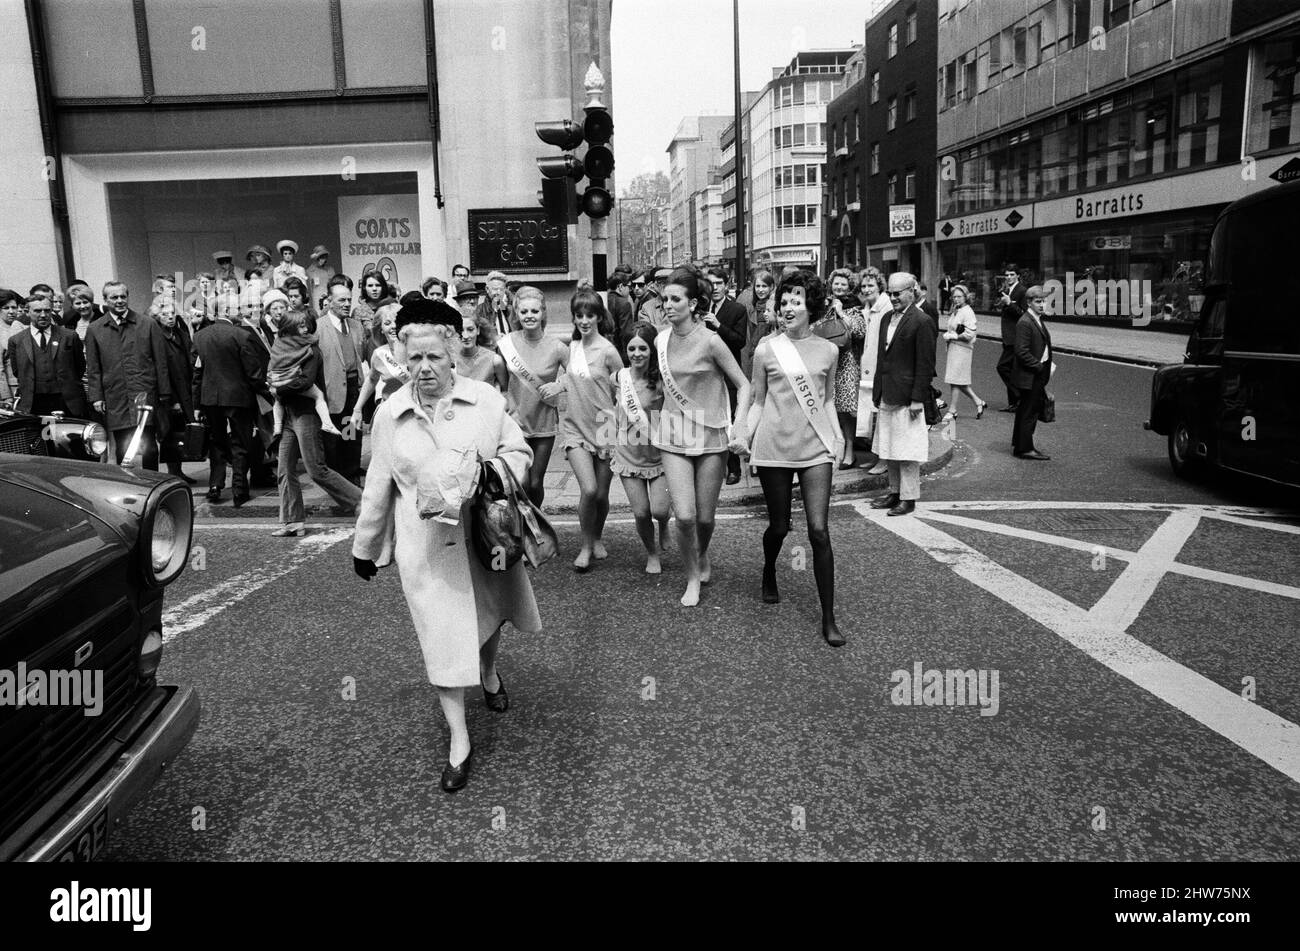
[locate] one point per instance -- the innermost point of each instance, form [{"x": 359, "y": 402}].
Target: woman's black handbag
[
  {"x": 1047, "y": 412},
  {"x": 835, "y": 330},
  {"x": 506, "y": 524},
  {"x": 188, "y": 437}
]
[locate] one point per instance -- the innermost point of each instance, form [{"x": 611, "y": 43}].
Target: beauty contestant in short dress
[
  {"x": 639, "y": 397},
  {"x": 588, "y": 419},
  {"x": 534, "y": 361},
  {"x": 797, "y": 433},
  {"x": 477, "y": 359},
  {"x": 695, "y": 432}
]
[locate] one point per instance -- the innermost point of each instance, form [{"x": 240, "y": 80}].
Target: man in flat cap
[
  {"x": 259, "y": 260},
  {"x": 286, "y": 268},
  {"x": 225, "y": 267},
  {"x": 319, "y": 273}
]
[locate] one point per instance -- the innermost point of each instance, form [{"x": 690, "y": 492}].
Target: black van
[{"x": 1234, "y": 401}]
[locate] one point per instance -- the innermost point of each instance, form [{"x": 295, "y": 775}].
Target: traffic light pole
[{"x": 740, "y": 155}]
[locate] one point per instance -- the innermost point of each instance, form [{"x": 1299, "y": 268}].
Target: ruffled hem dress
[{"x": 635, "y": 455}]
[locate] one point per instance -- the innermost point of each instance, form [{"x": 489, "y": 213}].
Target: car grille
[
  {"x": 41, "y": 746},
  {"x": 24, "y": 439}
]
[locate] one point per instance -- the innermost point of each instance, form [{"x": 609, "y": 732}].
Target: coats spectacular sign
[
  {"x": 381, "y": 233},
  {"x": 516, "y": 240}
]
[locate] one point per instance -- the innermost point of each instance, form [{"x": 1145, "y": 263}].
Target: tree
[{"x": 642, "y": 206}]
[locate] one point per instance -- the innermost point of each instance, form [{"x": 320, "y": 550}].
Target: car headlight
[
  {"x": 165, "y": 533},
  {"x": 95, "y": 439}
]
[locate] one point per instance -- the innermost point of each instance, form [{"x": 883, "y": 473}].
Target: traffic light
[{"x": 559, "y": 172}]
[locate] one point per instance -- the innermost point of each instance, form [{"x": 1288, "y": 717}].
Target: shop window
[
  {"x": 1151, "y": 138},
  {"x": 1274, "y": 118}
]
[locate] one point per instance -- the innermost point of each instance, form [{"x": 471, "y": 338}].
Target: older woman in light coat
[{"x": 422, "y": 436}]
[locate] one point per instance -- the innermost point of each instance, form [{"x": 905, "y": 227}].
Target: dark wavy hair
[
  {"x": 587, "y": 301},
  {"x": 646, "y": 331},
  {"x": 385, "y": 291},
  {"x": 698, "y": 290},
  {"x": 814, "y": 292}
]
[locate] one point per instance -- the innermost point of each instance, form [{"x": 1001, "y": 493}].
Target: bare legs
[
  {"x": 535, "y": 479},
  {"x": 693, "y": 485},
  {"x": 954, "y": 389},
  {"x": 815, "y": 484},
  {"x": 594, "y": 477},
  {"x": 649, "y": 501}
]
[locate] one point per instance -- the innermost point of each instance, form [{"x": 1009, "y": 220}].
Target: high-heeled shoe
[
  {"x": 498, "y": 702},
  {"x": 455, "y": 778},
  {"x": 980, "y": 411}
]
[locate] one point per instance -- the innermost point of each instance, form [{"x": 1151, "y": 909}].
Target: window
[
  {"x": 875, "y": 158},
  {"x": 1274, "y": 116},
  {"x": 892, "y": 189},
  {"x": 1033, "y": 45},
  {"x": 875, "y": 86},
  {"x": 1199, "y": 93},
  {"x": 1080, "y": 21},
  {"x": 893, "y": 40},
  {"x": 891, "y": 115},
  {"x": 1019, "y": 46},
  {"x": 966, "y": 76},
  {"x": 1113, "y": 13},
  {"x": 844, "y": 132},
  {"x": 909, "y": 184},
  {"x": 909, "y": 105},
  {"x": 911, "y": 24},
  {"x": 857, "y": 126}
]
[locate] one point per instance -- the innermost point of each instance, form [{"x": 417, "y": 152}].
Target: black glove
[{"x": 365, "y": 568}]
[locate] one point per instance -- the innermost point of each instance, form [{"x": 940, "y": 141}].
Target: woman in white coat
[
  {"x": 960, "y": 337},
  {"x": 427, "y": 435}
]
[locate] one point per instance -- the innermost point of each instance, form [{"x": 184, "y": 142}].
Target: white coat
[{"x": 456, "y": 603}]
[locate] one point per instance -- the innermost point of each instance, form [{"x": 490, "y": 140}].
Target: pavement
[
  {"x": 1141, "y": 628},
  {"x": 1135, "y": 345}
]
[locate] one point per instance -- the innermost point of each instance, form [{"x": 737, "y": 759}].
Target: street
[{"x": 1132, "y": 636}]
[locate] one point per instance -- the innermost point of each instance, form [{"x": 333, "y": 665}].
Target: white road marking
[
  {"x": 199, "y": 609},
  {"x": 1261, "y": 733},
  {"x": 1021, "y": 505},
  {"x": 1120, "y": 606}
]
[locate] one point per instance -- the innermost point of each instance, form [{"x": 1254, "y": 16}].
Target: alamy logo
[
  {"x": 946, "y": 688},
  {"x": 75, "y": 903},
  {"x": 1086, "y": 297},
  {"x": 53, "y": 688}
]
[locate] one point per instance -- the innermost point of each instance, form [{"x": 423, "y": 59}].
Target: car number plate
[{"x": 90, "y": 841}]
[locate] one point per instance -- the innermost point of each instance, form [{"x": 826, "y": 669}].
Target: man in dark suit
[
  {"x": 48, "y": 361},
  {"x": 345, "y": 350},
  {"x": 904, "y": 370},
  {"x": 731, "y": 322},
  {"x": 1013, "y": 307},
  {"x": 260, "y": 457},
  {"x": 620, "y": 311},
  {"x": 228, "y": 374},
  {"x": 126, "y": 357},
  {"x": 930, "y": 310},
  {"x": 1032, "y": 370}
]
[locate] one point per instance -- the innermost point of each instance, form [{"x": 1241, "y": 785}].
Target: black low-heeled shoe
[
  {"x": 831, "y": 634},
  {"x": 498, "y": 702},
  {"x": 770, "y": 593},
  {"x": 454, "y": 778}
]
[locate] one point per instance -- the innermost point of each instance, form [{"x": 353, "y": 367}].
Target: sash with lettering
[
  {"x": 516, "y": 364},
  {"x": 796, "y": 374},
  {"x": 689, "y": 407},
  {"x": 636, "y": 415},
  {"x": 578, "y": 361},
  {"x": 392, "y": 368}
]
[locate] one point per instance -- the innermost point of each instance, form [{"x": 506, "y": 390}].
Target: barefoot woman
[
  {"x": 637, "y": 463},
  {"x": 534, "y": 361},
  {"x": 796, "y": 433},
  {"x": 593, "y": 361},
  {"x": 693, "y": 431}
]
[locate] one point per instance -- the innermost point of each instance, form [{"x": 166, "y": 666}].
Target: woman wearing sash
[
  {"x": 797, "y": 432},
  {"x": 534, "y": 361},
  {"x": 694, "y": 432},
  {"x": 388, "y": 372},
  {"x": 589, "y": 381},
  {"x": 637, "y": 463},
  {"x": 477, "y": 360}
]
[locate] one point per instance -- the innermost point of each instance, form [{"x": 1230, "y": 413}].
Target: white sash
[
  {"x": 631, "y": 405},
  {"x": 517, "y": 366},
  {"x": 689, "y": 407},
  {"x": 578, "y": 361},
  {"x": 796, "y": 374},
  {"x": 391, "y": 366}
]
